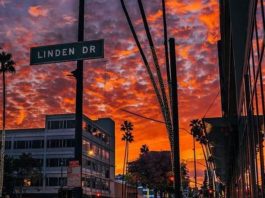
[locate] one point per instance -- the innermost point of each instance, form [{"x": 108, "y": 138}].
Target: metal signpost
[{"x": 78, "y": 51}]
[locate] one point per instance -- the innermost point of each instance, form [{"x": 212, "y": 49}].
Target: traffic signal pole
[{"x": 175, "y": 119}]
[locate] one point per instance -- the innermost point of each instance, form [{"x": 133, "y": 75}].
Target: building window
[
  {"x": 63, "y": 143},
  {"x": 37, "y": 182},
  {"x": 70, "y": 143},
  {"x": 70, "y": 124},
  {"x": 96, "y": 183},
  {"x": 20, "y": 145},
  {"x": 53, "y": 144},
  {"x": 52, "y": 181},
  {"x": 86, "y": 181},
  {"x": 96, "y": 133},
  {"x": 56, "y": 181},
  {"x": 57, "y": 162},
  {"x": 37, "y": 144},
  {"x": 52, "y": 162},
  {"x": 61, "y": 124},
  {"x": 54, "y": 124},
  {"x": 40, "y": 162},
  {"x": 107, "y": 173},
  {"x": 8, "y": 144}
]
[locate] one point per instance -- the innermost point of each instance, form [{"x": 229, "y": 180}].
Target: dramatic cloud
[{"x": 119, "y": 81}]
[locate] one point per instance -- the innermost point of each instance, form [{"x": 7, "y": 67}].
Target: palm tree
[
  {"x": 6, "y": 66},
  {"x": 127, "y": 128},
  {"x": 197, "y": 133},
  {"x": 197, "y": 130},
  {"x": 144, "y": 149}
]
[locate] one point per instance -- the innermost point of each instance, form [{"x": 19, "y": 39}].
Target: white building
[{"x": 54, "y": 147}]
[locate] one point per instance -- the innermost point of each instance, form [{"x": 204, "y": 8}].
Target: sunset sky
[{"x": 119, "y": 81}]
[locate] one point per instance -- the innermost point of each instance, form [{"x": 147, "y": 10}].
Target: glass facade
[
  {"x": 28, "y": 144},
  {"x": 250, "y": 177},
  {"x": 246, "y": 164}
]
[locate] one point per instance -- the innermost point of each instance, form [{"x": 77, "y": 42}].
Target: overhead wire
[{"x": 211, "y": 104}]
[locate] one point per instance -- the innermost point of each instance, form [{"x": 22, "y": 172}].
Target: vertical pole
[
  {"x": 2, "y": 165},
  {"x": 251, "y": 142},
  {"x": 175, "y": 119},
  {"x": 261, "y": 135},
  {"x": 195, "y": 168},
  {"x": 78, "y": 73}
]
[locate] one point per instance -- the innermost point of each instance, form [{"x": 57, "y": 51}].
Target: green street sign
[{"x": 67, "y": 52}]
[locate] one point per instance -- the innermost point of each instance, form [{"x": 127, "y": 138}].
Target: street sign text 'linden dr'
[{"x": 67, "y": 52}]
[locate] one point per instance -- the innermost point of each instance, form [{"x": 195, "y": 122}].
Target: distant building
[
  {"x": 54, "y": 147},
  {"x": 131, "y": 191}
]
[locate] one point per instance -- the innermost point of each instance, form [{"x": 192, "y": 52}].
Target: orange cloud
[
  {"x": 37, "y": 11},
  {"x": 119, "y": 81},
  {"x": 155, "y": 16},
  {"x": 21, "y": 116}
]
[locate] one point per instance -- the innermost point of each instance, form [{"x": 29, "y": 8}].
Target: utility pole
[
  {"x": 175, "y": 119},
  {"x": 78, "y": 74}
]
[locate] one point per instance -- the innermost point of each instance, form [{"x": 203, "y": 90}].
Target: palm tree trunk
[
  {"x": 4, "y": 101},
  {"x": 209, "y": 153},
  {"x": 195, "y": 167},
  {"x": 126, "y": 168},
  {"x": 3, "y": 135},
  {"x": 206, "y": 161},
  {"x": 123, "y": 170}
]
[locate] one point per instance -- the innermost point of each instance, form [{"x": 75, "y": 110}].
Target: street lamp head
[{"x": 91, "y": 152}]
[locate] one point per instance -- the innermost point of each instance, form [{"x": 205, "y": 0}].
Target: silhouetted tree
[
  {"x": 205, "y": 186},
  {"x": 6, "y": 66},
  {"x": 9, "y": 177},
  {"x": 144, "y": 149},
  {"x": 127, "y": 128},
  {"x": 24, "y": 171},
  {"x": 185, "y": 178},
  {"x": 197, "y": 132},
  {"x": 153, "y": 170},
  {"x": 196, "y": 128}
]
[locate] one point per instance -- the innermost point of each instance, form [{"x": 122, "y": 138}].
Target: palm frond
[{"x": 7, "y": 64}]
